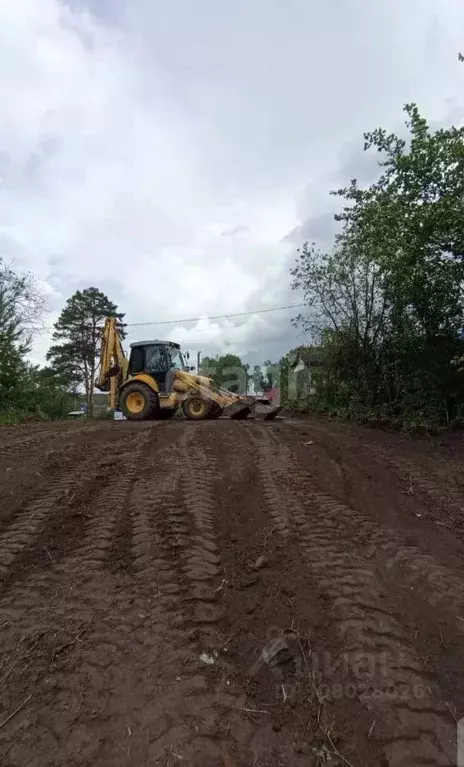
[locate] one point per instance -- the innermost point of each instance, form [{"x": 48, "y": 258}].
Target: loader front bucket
[
  {"x": 240, "y": 415},
  {"x": 266, "y": 411},
  {"x": 258, "y": 408},
  {"x": 240, "y": 409}
]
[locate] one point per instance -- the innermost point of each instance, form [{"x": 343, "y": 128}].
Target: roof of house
[{"x": 309, "y": 356}]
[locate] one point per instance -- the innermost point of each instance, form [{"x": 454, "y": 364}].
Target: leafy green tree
[
  {"x": 227, "y": 371},
  {"x": 409, "y": 221},
  {"x": 42, "y": 394},
  {"x": 25, "y": 390},
  {"x": 77, "y": 336},
  {"x": 208, "y": 366},
  {"x": 386, "y": 304},
  {"x": 231, "y": 373},
  {"x": 258, "y": 378},
  {"x": 344, "y": 290},
  {"x": 54, "y": 395},
  {"x": 21, "y": 305},
  {"x": 57, "y": 378},
  {"x": 266, "y": 376},
  {"x": 348, "y": 313}
]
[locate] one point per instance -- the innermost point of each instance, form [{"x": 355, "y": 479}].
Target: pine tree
[{"x": 77, "y": 334}]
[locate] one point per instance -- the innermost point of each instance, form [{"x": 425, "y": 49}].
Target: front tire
[
  {"x": 196, "y": 408},
  {"x": 138, "y": 402}
]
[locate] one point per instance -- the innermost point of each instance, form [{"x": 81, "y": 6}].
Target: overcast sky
[{"x": 174, "y": 154}]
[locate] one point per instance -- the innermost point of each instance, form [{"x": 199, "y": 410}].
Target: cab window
[
  {"x": 137, "y": 360},
  {"x": 177, "y": 359},
  {"x": 156, "y": 361}
]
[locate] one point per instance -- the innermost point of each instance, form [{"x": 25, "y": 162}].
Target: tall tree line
[
  {"x": 385, "y": 305},
  {"x": 28, "y": 390}
]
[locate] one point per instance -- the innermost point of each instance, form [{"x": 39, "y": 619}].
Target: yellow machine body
[{"x": 142, "y": 394}]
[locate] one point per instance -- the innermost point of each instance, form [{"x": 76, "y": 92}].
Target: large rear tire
[
  {"x": 196, "y": 408},
  {"x": 139, "y": 403}
]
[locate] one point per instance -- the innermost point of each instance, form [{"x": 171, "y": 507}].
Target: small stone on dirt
[
  {"x": 260, "y": 562},
  {"x": 247, "y": 581},
  {"x": 276, "y": 652}
]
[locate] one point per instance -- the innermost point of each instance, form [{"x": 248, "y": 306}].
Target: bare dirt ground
[{"x": 229, "y": 594}]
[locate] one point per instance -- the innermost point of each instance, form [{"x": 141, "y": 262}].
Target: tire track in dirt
[
  {"x": 155, "y": 499},
  {"x": 438, "y": 584},
  {"x": 266, "y": 458},
  {"x": 115, "y": 668},
  {"x": 139, "y": 642},
  {"x": 163, "y": 546},
  {"x": 123, "y": 630},
  {"x": 150, "y": 500},
  {"x": 43, "y": 613},
  {"x": 110, "y": 658},
  {"x": 444, "y": 492},
  {"x": 160, "y": 532},
  {"x": 26, "y": 527},
  {"x": 9, "y": 444},
  {"x": 451, "y": 501},
  {"x": 386, "y": 548},
  {"x": 415, "y": 727},
  {"x": 52, "y": 542},
  {"x": 260, "y": 604},
  {"x": 17, "y": 445},
  {"x": 26, "y": 481},
  {"x": 201, "y": 556},
  {"x": 99, "y": 535}
]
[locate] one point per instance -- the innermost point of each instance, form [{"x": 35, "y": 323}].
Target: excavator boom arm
[{"x": 113, "y": 361}]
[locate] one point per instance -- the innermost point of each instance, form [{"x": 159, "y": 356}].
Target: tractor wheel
[
  {"x": 196, "y": 408},
  {"x": 138, "y": 402},
  {"x": 215, "y": 410}
]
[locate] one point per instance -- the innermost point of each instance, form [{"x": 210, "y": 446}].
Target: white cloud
[{"x": 163, "y": 151}]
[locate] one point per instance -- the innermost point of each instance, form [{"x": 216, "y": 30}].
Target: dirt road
[{"x": 229, "y": 594}]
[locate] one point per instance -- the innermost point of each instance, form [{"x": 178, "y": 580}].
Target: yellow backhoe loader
[{"x": 155, "y": 382}]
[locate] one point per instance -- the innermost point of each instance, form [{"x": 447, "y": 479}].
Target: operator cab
[{"x": 157, "y": 358}]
